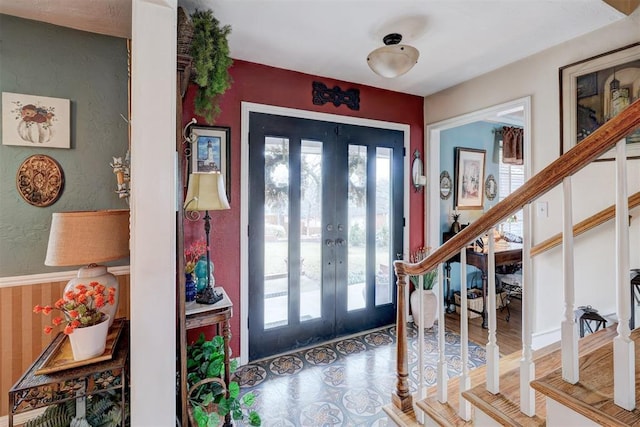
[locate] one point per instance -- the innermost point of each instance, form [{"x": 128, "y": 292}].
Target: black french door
[{"x": 325, "y": 224}]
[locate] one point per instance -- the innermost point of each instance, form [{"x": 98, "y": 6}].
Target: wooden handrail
[
  {"x": 584, "y": 226},
  {"x": 566, "y": 165}
]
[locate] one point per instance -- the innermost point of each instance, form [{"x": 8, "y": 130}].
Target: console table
[
  {"x": 511, "y": 254},
  {"x": 34, "y": 391},
  {"x": 199, "y": 315}
]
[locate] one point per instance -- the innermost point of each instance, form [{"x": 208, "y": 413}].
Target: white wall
[
  {"x": 593, "y": 187},
  {"x": 153, "y": 213}
]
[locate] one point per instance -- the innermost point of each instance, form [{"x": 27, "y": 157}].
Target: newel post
[{"x": 401, "y": 398}]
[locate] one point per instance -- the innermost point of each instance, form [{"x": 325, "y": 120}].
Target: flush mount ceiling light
[{"x": 393, "y": 59}]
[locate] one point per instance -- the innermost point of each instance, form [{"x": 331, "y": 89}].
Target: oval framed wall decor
[
  {"x": 445, "y": 185},
  {"x": 490, "y": 187},
  {"x": 40, "y": 180}
]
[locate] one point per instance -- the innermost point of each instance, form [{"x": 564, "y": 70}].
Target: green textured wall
[{"x": 91, "y": 71}]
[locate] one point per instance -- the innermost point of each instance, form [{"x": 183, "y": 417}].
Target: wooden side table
[
  {"x": 199, "y": 315},
  {"x": 34, "y": 391}
]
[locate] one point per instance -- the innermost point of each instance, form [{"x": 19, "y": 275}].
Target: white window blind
[{"x": 511, "y": 178}]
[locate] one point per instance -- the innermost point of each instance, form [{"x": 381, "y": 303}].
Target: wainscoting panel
[{"x": 21, "y": 331}]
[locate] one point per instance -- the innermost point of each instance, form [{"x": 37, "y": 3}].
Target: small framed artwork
[
  {"x": 490, "y": 187},
  {"x": 596, "y": 89},
  {"x": 35, "y": 121},
  {"x": 469, "y": 178},
  {"x": 210, "y": 151},
  {"x": 445, "y": 185}
]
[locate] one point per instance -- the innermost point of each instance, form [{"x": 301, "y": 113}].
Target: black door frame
[{"x": 246, "y": 109}]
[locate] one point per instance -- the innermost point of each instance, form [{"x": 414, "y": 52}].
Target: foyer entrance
[{"x": 325, "y": 224}]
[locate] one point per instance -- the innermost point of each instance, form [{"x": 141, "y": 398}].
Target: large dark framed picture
[
  {"x": 596, "y": 89},
  {"x": 211, "y": 152},
  {"x": 469, "y": 178}
]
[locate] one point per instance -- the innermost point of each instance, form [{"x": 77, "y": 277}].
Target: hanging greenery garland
[{"x": 211, "y": 62}]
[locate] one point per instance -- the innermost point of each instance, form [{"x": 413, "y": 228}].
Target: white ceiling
[{"x": 457, "y": 39}]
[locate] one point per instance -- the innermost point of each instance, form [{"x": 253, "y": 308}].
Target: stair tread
[
  {"x": 592, "y": 396},
  {"x": 504, "y": 407},
  {"x": 400, "y": 418}
]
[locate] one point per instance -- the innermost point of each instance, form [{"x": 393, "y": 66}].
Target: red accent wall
[{"x": 274, "y": 86}]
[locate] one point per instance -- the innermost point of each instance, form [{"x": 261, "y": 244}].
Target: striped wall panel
[{"x": 21, "y": 336}]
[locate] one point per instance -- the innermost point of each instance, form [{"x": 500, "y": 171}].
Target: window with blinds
[{"x": 511, "y": 178}]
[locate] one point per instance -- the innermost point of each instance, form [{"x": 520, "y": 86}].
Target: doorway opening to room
[
  {"x": 481, "y": 132},
  {"x": 325, "y": 222}
]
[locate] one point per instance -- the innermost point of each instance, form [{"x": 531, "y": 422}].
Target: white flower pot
[
  {"x": 90, "y": 341},
  {"x": 430, "y": 304}
]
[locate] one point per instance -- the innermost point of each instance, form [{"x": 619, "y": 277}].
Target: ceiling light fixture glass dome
[{"x": 393, "y": 59}]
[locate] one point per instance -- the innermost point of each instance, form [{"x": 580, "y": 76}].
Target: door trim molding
[{"x": 250, "y": 107}]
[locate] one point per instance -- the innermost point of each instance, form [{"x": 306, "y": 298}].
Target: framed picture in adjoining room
[
  {"x": 35, "y": 121},
  {"x": 469, "y": 178},
  {"x": 595, "y": 90},
  {"x": 211, "y": 151}
]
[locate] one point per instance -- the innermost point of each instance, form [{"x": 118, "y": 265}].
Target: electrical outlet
[{"x": 543, "y": 209}]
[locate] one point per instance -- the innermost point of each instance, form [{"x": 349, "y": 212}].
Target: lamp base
[
  {"x": 208, "y": 296},
  {"x": 97, "y": 273}
]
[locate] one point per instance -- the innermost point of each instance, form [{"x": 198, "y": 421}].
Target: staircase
[{"x": 591, "y": 381}]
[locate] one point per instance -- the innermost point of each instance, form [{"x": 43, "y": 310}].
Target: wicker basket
[
  {"x": 185, "y": 32},
  {"x": 212, "y": 406}
]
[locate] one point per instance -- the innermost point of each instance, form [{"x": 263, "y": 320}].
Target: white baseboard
[
  {"x": 21, "y": 418},
  {"x": 543, "y": 339}
]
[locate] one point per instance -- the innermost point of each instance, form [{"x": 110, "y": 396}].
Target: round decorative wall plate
[{"x": 40, "y": 180}]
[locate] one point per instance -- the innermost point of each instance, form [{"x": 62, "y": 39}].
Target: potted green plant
[
  {"x": 208, "y": 403},
  {"x": 429, "y": 299},
  {"x": 211, "y": 62}
]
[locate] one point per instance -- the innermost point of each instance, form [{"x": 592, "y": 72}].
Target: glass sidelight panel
[
  {"x": 310, "y": 230},
  {"x": 357, "y": 214},
  {"x": 384, "y": 243},
  {"x": 276, "y": 232}
]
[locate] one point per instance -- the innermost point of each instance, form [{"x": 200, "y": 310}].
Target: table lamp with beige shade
[
  {"x": 206, "y": 192},
  {"x": 88, "y": 238}
]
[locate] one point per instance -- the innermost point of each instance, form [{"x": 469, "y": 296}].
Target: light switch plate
[{"x": 542, "y": 208}]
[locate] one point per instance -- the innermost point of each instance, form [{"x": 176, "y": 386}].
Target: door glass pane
[
  {"x": 357, "y": 214},
  {"x": 276, "y": 232},
  {"x": 310, "y": 230},
  {"x": 383, "y": 226}
]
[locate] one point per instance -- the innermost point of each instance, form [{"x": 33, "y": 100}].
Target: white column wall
[
  {"x": 153, "y": 207},
  {"x": 593, "y": 188}
]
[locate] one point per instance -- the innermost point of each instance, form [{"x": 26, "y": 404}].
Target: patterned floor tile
[{"x": 345, "y": 383}]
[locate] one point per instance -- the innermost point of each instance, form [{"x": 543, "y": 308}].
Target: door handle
[
  {"x": 340, "y": 242},
  {"x": 329, "y": 242}
]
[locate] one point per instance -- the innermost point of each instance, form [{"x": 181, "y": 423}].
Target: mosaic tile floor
[{"x": 345, "y": 382}]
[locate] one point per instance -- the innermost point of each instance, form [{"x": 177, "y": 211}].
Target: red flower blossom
[{"x": 80, "y": 307}]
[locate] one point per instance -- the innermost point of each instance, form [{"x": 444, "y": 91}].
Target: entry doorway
[{"x": 325, "y": 222}]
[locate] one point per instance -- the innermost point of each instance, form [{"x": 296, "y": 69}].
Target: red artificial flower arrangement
[
  {"x": 193, "y": 254},
  {"x": 80, "y": 307}
]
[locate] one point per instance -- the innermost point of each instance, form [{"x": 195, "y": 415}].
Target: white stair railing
[
  {"x": 569, "y": 331},
  {"x": 624, "y": 372},
  {"x": 527, "y": 367},
  {"x": 493, "y": 351},
  {"x": 465, "y": 380},
  {"x": 442, "y": 376}
]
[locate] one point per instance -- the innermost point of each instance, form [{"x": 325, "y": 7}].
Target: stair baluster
[
  {"x": 493, "y": 351},
  {"x": 569, "y": 328},
  {"x": 465, "y": 380},
  {"x": 442, "y": 376},
  {"x": 527, "y": 366},
  {"x": 623, "y": 347}
]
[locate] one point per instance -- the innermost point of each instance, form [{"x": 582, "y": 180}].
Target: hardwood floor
[{"x": 509, "y": 333}]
